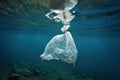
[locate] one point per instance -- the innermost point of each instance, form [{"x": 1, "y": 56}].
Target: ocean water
[{"x": 25, "y": 31}]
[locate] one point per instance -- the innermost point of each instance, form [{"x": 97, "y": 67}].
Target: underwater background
[{"x": 25, "y": 31}]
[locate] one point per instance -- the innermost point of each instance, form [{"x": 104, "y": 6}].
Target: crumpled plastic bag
[{"x": 61, "y": 47}]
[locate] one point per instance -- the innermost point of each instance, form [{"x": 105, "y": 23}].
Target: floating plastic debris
[{"x": 62, "y": 47}]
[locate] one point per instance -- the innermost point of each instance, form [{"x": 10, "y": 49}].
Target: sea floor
[{"x": 20, "y": 70}]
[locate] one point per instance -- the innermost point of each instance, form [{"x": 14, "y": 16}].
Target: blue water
[{"x": 96, "y": 32}]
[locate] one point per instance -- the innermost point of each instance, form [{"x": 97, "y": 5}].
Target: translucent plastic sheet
[{"x": 61, "y": 47}]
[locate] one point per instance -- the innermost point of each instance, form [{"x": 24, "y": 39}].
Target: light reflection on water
[{"x": 91, "y": 16}]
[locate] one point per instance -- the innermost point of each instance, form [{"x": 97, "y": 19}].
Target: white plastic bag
[{"x": 61, "y": 47}]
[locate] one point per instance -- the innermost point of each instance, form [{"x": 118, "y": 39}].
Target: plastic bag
[{"x": 61, "y": 47}]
